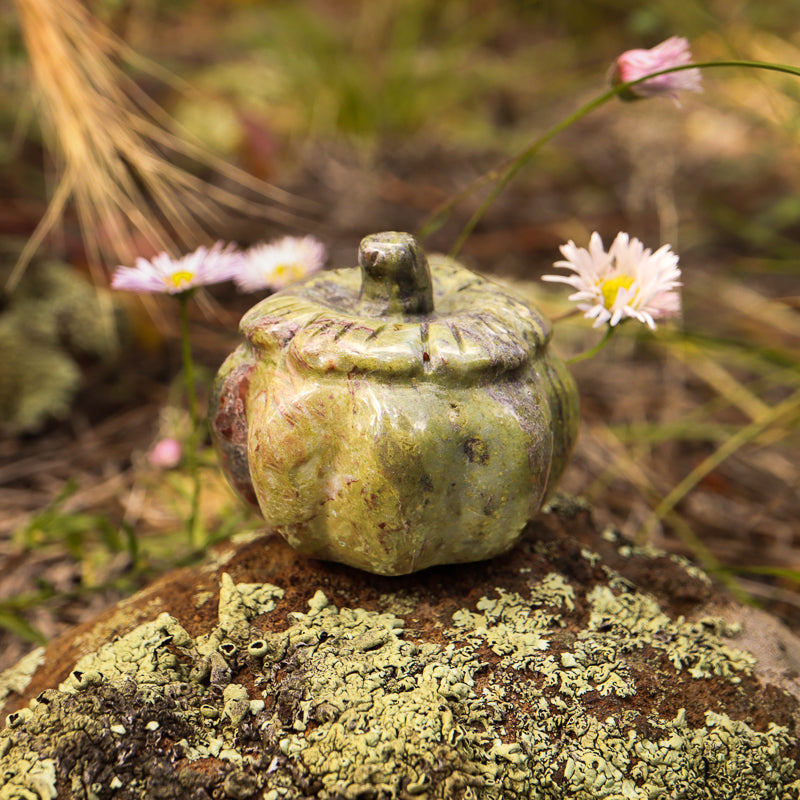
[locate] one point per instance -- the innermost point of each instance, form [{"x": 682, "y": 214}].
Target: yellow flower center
[
  {"x": 287, "y": 272},
  {"x": 286, "y": 269},
  {"x": 611, "y": 287},
  {"x": 178, "y": 279}
]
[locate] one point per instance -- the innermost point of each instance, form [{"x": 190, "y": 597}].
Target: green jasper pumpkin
[{"x": 393, "y": 418}]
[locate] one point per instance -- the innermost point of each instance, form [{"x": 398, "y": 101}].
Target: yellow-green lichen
[
  {"x": 649, "y": 551},
  {"x": 238, "y": 604},
  {"x": 342, "y": 705},
  {"x": 28, "y": 779},
  {"x": 16, "y": 678},
  {"x": 632, "y": 619},
  {"x": 382, "y": 708},
  {"x": 514, "y": 627},
  {"x": 142, "y": 655}
]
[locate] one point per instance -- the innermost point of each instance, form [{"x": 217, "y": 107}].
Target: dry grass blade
[
  {"x": 115, "y": 149},
  {"x": 634, "y": 471},
  {"x": 787, "y": 410},
  {"x": 770, "y": 314},
  {"x": 716, "y": 376}
]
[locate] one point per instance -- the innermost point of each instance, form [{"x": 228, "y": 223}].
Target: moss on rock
[{"x": 53, "y": 321}]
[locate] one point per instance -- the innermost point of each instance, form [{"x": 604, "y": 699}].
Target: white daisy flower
[
  {"x": 176, "y": 275},
  {"x": 628, "y": 281},
  {"x": 277, "y": 264}
]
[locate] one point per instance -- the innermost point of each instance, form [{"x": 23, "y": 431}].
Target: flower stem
[
  {"x": 519, "y": 161},
  {"x": 592, "y": 351},
  {"x": 502, "y": 175},
  {"x": 193, "y": 523}
]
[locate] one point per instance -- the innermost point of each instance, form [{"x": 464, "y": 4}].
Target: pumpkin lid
[{"x": 399, "y": 316}]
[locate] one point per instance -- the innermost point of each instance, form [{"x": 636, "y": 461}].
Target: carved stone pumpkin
[{"x": 393, "y": 418}]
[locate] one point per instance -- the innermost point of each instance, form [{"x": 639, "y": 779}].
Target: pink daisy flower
[
  {"x": 635, "y": 64},
  {"x": 627, "y": 282},
  {"x": 176, "y": 275},
  {"x": 277, "y": 264}
]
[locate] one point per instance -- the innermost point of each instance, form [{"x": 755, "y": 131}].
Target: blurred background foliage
[
  {"x": 259, "y": 82},
  {"x": 378, "y": 112}
]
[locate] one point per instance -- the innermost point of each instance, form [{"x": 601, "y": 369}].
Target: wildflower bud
[
  {"x": 634, "y": 65},
  {"x": 165, "y": 454}
]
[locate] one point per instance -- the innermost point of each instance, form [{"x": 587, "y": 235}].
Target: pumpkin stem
[{"x": 395, "y": 277}]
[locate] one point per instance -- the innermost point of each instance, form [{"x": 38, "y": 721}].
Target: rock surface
[{"x": 577, "y": 666}]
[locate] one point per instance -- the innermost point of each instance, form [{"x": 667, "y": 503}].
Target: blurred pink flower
[
  {"x": 165, "y": 453},
  {"x": 635, "y": 64},
  {"x": 176, "y": 275},
  {"x": 628, "y": 281},
  {"x": 277, "y": 264}
]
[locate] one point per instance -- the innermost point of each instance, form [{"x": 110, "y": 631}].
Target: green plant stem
[
  {"x": 508, "y": 172},
  {"x": 193, "y": 523},
  {"x": 593, "y": 351},
  {"x": 501, "y": 176}
]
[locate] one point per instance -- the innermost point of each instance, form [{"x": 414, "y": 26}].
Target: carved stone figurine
[{"x": 400, "y": 417}]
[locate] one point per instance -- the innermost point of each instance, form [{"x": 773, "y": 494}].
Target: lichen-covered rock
[{"x": 577, "y": 666}]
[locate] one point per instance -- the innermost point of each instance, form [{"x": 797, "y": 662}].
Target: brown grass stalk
[{"x": 115, "y": 149}]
